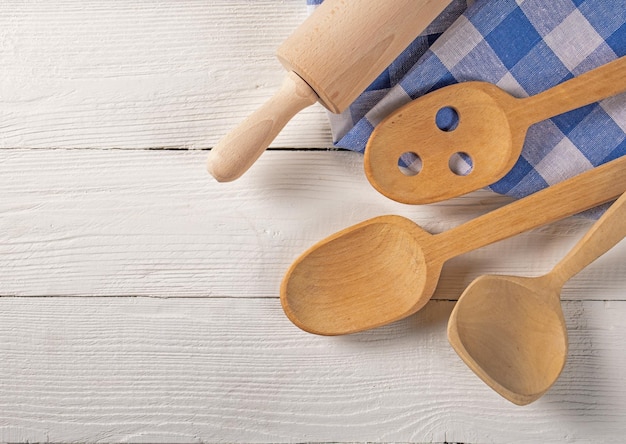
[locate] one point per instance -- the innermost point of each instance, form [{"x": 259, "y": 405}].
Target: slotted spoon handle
[
  {"x": 579, "y": 193},
  {"x": 609, "y": 230},
  {"x": 598, "y": 84}
]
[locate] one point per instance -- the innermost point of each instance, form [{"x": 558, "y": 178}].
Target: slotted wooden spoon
[
  {"x": 491, "y": 129},
  {"x": 387, "y": 268},
  {"x": 510, "y": 330}
]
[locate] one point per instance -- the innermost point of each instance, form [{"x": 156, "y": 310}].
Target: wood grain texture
[
  {"x": 344, "y": 46},
  {"x": 177, "y": 74},
  {"x": 223, "y": 370},
  {"x": 192, "y": 345},
  {"x": 152, "y": 223}
]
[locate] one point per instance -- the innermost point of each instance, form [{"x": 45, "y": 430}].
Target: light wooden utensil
[
  {"x": 490, "y": 130},
  {"x": 511, "y": 331},
  {"x": 387, "y": 268},
  {"x": 335, "y": 54}
]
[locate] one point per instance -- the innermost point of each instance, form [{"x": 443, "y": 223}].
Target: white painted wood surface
[
  {"x": 235, "y": 370},
  {"x": 138, "y": 298},
  {"x": 142, "y": 74}
]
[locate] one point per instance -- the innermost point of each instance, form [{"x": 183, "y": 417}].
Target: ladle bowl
[
  {"x": 511, "y": 330},
  {"x": 511, "y": 336}
]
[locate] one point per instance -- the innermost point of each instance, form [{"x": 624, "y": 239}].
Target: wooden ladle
[
  {"x": 387, "y": 268},
  {"x": 511, "y": 331},
  {"x": 489, "y": 133}
]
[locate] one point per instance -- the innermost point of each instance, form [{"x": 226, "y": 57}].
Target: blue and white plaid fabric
[{"x": 524, "y": 47}]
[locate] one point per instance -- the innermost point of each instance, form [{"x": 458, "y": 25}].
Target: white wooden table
[{"x": 139, "y": 298}]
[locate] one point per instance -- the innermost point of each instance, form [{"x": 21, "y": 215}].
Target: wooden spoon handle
[
  {"x": 580, "y": 193},
  {"x": 609, "y": 230},
  {"x": 239, "y": 149},
  {"x": 606, "y": 81}
]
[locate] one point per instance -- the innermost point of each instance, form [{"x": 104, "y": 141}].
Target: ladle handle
[
  {"x": 238, "y": 150},
  {"x": 569, "y": 197},
  {"x": 598, "y": 84},
  {"x": 609, "y": 230}
]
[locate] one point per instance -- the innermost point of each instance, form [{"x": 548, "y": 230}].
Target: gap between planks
[{"x": 153, "y": 223}]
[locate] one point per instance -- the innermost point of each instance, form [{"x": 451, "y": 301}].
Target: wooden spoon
[
  {"x": 491, "y": 129},
  {"x": 511, "y": 331},
  {"x": 387, "y": 268}
]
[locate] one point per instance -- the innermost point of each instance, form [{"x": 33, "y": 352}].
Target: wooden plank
[
  {"x": 235, "y": 370},
  {"x": 101, "y": 74},
  {"x": 153, "y": 223}
]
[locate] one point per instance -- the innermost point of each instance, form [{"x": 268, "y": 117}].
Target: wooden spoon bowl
[
  {"x": 511, "y": 331},
  {"x": 374, "y": 248},
  {"x": 511, "y": 335}
]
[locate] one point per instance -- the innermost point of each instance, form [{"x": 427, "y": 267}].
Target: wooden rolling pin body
[{"x": 335, "y": 54}]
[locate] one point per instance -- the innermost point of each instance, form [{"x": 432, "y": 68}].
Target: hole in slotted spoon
[
  {"x": 447, "y": 119},
  {"x": 461, "y": 163},
  {"x": 409, "y": 163}
]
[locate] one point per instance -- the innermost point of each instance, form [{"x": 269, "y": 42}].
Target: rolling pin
[{"x": 331, "y": 58}]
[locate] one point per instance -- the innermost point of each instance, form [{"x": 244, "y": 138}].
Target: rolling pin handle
[{"x": 240, "y": 148}]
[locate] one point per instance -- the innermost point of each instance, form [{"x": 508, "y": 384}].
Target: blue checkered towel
[{"x": 524, "y": 47}]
